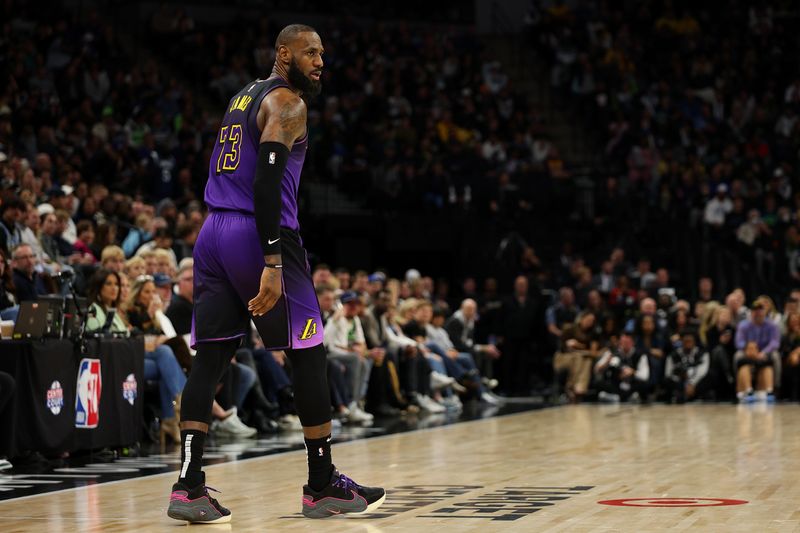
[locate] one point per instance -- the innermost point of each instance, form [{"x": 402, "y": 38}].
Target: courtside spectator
[
  {"x": 344, "y": 340},
  {"x": 561, "y": 314},
  {"x": 757, "y": 356},
  {"x": 8, "y": 293},
  {"x": 686, "y": 373},
  {"x": 580, "y": 348},
  {"x": 519, "y": 321},
  {"x": 622, "y": 371},
  {"x": 461, "y": 329},
  {"x": 27, "y": 282},
  {"x": 790, "y": 352}
]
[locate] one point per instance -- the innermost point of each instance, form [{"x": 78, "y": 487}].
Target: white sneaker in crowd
[
  {"x": 426, "y": 403},
  {"x": 290, "y": 422},
  {"x": 452, "y": 403},
  {"x": 490, "y": 384},
  {"x": 608, "y": 397},
  {"x": 233, "y": 426},
  {"x": 357, "y": 414},
  {"x": 440, "y": 381},
  {"x": 491, "y": 399},
  {"x": 458, "y": 388}
]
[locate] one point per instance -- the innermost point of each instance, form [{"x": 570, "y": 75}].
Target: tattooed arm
[{"x": 282, "y": 117}]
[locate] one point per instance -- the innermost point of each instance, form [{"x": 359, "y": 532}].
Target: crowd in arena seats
[
  {"x": 695, "y": 110},
  {"x": 636, "y": 336},
  {"x": 410, "y": 118}
]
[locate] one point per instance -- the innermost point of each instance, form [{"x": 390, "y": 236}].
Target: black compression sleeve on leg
[
  {"x": 310, "y": 374},
  {"x": 210, "y": 362},
  {"x": 272, "y": 158}
]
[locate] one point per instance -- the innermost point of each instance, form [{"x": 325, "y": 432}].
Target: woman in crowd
[
  {"x": 8, "y": 299},
  {"x": 104, "y": 294},
  {"x": 790, "y": 353},
  {"x": 772, "y": 312},
  {"x": 651, "y": 342},
  {"x": 142, "y": 310},
  {"x": 579, "y": 349},
  {"x": 678, "y": 326},
  {"x": 135, "y": 267}
]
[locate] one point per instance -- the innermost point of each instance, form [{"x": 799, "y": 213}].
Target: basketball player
[{"x": 249, "y": 262}]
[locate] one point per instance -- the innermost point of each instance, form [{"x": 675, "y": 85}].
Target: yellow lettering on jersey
[
  {"x": 223, "y": 136},
  {"x": 240, "y": 103},
  {"x": 309, "y": 330},
  {"x": 244, "y": 101}
]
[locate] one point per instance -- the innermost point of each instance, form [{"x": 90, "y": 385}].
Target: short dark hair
[
  {"x": 12, "y": 203},
  {"x": 289, "y": 33},
  {"x": 83, "y": 225},
  {"x": 440, "y": 310}
]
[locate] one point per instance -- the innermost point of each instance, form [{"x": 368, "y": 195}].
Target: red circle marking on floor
[{"x": 672, "y": 502}]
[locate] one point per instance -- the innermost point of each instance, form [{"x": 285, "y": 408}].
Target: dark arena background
[{"x": 555, "y": 246}]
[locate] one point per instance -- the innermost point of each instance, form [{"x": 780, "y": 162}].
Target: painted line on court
[{"x": 672, "y": 502}]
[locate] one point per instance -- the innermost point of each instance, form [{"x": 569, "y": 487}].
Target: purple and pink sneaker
[
  {"x": 341, "y": 496},
  {"x": 196, "y": 506}
]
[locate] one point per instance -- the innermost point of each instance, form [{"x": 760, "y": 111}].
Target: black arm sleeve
[{"x": 272, "y": 158}]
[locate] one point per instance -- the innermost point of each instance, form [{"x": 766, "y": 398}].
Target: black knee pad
[
  {"x": 210, "y": 362},
  {"x": 311, "y": 396}
]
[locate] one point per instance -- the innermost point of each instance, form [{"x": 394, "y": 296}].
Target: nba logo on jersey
[
  {"x": 87, "y": 397},
  {"x": 272, "y": 158}
]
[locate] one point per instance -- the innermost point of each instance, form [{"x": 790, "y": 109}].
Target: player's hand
[{"x": 268, "y": 294}]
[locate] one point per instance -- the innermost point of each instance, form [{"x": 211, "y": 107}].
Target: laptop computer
[{"x": 32, "y": 321}]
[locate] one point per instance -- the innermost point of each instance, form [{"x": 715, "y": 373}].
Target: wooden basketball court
[{"x": 542, "y": 470}]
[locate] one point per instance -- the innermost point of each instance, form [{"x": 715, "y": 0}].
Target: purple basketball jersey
[{"x": 232, "y": 167}]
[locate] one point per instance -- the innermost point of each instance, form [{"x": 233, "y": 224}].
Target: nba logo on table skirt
[
  {"x": 130, "y": 389},
  {"x": 55, "y": 398},
  {"x": 87, "y": 397}
]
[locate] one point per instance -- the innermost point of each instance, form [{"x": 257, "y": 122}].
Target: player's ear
[{"x": 284, "y": 54}]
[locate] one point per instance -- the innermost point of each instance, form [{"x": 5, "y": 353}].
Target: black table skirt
[{"x": 66, "y": 401}]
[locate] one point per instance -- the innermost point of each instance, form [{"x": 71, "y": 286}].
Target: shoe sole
[
  {"x": 374, "y": 505},
  {"x": 326, "y": 513},
  {"x": 187, "y": 515}
]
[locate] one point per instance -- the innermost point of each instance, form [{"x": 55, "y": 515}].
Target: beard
[{"x": 310, "y": 88}]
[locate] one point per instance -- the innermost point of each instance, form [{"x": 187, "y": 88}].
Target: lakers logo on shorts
[{"x": 309, "y": 330}]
